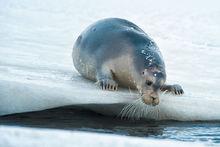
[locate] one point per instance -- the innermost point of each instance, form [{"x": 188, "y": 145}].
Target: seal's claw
[
  {"x": 177, "y": 89},
  {"x": 174, "y": 89},
  {"x": 108, "y": 84}
]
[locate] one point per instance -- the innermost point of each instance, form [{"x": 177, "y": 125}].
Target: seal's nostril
[{"x": 154, "y": 98}]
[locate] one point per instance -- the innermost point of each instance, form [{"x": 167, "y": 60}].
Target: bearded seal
[{"x": 114, "y": 52}]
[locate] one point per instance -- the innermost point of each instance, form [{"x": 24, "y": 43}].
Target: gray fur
[{"x": 115, "y": 51}]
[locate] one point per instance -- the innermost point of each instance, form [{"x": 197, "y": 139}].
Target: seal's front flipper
[
  {"x": 107, "y": 84},
  {"x": 175, "y": 89},
  {"x": 105, "y": 80}
]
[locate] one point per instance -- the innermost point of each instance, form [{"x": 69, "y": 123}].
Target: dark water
[{"x": 76, "y": 118}]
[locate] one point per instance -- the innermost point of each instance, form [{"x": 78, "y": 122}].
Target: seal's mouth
[{"x": 149, "y": 99}]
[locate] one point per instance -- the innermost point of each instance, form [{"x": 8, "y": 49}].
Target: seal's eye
[{"x": 149, "y": 83}]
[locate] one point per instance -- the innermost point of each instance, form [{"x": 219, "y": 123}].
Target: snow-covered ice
[
  {"x": 26, "y": 137},
  {"x": 36, "y": 70}
]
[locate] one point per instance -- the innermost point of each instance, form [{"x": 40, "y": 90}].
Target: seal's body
[{"x": 116, "y": 52}]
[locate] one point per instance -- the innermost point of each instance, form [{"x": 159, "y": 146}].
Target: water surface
[{"x": 76, "y": 118}]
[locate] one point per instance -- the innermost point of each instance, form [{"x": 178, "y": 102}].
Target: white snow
[
  {"x": 26, "y": 137},
  {"x": 36, "y": 70}
]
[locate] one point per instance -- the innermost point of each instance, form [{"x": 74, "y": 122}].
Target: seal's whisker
[
  {"x": 137, "y": 114},
  {"x": 150, "y": 112},
  {"x": 154, "y": 109},
  {"x": 140, "y": 106},
  {"x": 137, "y": 109},
  {"x": 133, "y": 112},
  {"x": 126, "y": 113},
  {"x": 142, "y": 110},
  {"x": 145, "y": 110},
  {"x": 129, "y": 111},
  {"x": 126, "y": 110},
  {"x": 155, "y": 112},
  {"x": 158, "y": 112}
]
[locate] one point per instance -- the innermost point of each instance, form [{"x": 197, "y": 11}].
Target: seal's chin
[{"x": 149, "y": 100}]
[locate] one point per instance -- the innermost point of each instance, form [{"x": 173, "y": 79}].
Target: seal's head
[
  {"x": 150, "y": 77},
  {"x": 151, "y": 81}
]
